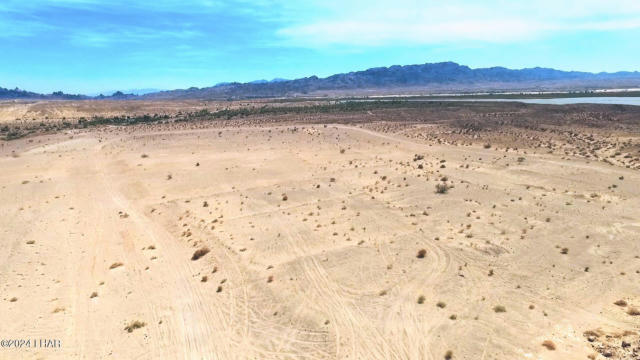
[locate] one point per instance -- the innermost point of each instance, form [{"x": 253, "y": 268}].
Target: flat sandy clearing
[{"x": 325, "y": 242}]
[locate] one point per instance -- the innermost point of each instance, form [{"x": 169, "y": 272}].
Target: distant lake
[{"x": 566, "y": 101}]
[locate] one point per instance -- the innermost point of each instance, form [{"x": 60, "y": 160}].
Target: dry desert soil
[{"x": 488, "y": 231}]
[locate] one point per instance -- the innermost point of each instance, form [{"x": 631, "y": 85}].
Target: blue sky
[{"x": 88, "y": 46}]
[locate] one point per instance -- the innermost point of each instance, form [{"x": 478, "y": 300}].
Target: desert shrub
[
  {"x": 200, "y": 253},
  {"x": 621, "y": 303},
  {"x": 442, "y": 188},
  {"x": 499, "y": 309},
  {"x": 134, "y": 325},
  {"x": 550, "y": 345}
]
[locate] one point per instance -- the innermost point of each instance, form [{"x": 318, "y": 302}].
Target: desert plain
[{"x": 384, "y": 231}]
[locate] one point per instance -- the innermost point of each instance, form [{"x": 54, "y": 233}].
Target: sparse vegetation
[{"x": 361, "y": 233}]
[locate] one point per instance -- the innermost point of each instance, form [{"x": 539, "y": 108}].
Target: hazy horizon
[{"x": 93, "y": 46}]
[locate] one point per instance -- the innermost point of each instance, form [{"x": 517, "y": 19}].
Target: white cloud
[
  {"x": 128, "y": 35},
  {"x": 360, "y": 32},
  {"x": 378, "y": 22}
]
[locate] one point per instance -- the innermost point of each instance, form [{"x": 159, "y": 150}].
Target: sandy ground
[
  {"x": 314, "y": 235},
  {"x": 35, "y": 111}
]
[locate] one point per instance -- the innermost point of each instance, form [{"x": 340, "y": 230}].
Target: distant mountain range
[
  {"x": 16, "y": 94},
  {"x": 128, "y": 91},
  {"x": 425, "y": 78},
  {"x": 23, "y": 94}
]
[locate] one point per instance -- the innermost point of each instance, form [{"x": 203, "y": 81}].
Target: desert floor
[{"x": 314, "y": 235}]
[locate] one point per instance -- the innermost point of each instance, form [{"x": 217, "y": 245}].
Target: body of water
[{"x": 566, "y": 101}]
